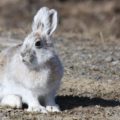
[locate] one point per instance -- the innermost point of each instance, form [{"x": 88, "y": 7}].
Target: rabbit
[{"x": 31, "y": 72}]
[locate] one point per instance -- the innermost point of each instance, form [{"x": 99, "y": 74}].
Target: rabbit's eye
[{"x": 38, "y": 44}]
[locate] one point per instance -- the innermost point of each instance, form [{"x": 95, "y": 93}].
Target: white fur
[
  {"x": 39, "y": 75},
  {"x": 12, "y": 100}
]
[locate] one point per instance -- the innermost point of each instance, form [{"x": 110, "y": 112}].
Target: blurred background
[{"x": 76, "y": 16}]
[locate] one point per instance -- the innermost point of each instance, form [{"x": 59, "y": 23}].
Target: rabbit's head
[{"x": 37, "y": 47}]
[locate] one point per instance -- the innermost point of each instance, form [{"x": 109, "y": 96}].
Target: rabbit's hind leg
[{"x": 13, "y": 101}]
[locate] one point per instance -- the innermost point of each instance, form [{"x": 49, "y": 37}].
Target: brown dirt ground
[{"x": 88, "y": 42}]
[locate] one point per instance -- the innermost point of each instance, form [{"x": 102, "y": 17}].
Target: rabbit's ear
[{"x": 45, "y": 21}]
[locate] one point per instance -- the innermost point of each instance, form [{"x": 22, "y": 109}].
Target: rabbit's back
[{"x": 5, "y": 58}]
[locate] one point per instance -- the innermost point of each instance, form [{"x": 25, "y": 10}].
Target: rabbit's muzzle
[{"x": 27, "y": 57}]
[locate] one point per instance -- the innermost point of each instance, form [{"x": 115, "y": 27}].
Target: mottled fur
[{"x": 27, "y": 72}]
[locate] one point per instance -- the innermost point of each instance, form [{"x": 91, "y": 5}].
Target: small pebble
[
  {"x": 95, "y": 68},
  {"x": 109, "y": 59},
  {"x": 115, "y": 62}
]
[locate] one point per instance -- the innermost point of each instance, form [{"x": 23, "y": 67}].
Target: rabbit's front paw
[
  {"x": 12, "y": 101},
  {"x": 40, "y": 109},
  {"x": 54, "y": 108}
]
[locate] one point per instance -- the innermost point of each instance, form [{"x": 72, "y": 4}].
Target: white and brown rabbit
[{"x": 32, "y": 72}]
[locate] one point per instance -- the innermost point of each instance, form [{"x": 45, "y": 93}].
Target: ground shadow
[{"x": 70, "y": 102}]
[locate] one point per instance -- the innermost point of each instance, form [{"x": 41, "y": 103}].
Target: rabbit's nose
[
  {"x": 23, "y": 54},
  {"x": 23, "y": 60}
]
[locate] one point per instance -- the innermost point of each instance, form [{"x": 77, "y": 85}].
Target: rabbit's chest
[
  {"x": 35, "y": 80},
  {"x": 39, "y": 79},
  {"x": 30, "y": 79}
]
